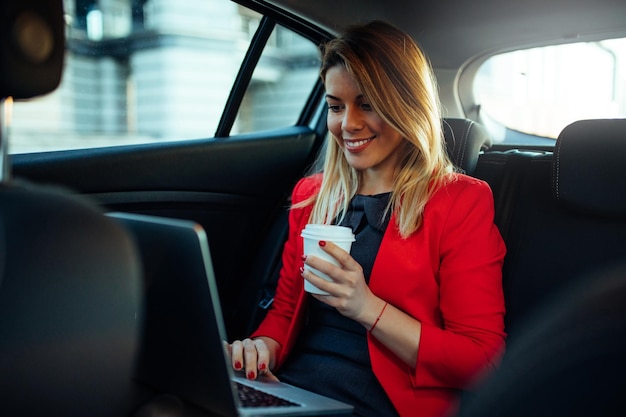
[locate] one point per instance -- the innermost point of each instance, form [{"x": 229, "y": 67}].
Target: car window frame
[{"x": 310, "y": 115}]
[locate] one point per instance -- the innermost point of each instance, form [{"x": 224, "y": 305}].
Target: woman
[{"x": 416, "y": 310}]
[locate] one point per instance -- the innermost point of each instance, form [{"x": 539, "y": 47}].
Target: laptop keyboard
[{"x": 251, "y": 397}]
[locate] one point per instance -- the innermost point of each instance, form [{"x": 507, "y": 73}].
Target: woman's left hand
[{"x": 348, "y": 292}]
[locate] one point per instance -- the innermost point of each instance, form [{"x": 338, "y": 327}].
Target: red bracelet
[{"x": 378, "y": 318}]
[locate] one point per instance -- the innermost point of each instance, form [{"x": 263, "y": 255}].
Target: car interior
[{"x": 72, "y": 282}]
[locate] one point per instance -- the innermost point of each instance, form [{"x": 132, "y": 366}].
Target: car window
[
  {"x": 144, "y": 71},
  {"x": 539, "y": 91},
  {"x": 282, "y": 81}
]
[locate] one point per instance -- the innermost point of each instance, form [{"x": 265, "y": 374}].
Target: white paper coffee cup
[{"x": 312, "y": 234}]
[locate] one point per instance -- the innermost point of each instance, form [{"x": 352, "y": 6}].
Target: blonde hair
[{"x": 396, "y": 79}]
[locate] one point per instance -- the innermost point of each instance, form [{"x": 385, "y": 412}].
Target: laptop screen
[{"x": 181, "y": 350}]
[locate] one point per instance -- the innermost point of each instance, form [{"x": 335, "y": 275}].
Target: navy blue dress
[{"x": 331, "y": 356}]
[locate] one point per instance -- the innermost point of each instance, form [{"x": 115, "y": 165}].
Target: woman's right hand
[{"x": 254, "y": 356}]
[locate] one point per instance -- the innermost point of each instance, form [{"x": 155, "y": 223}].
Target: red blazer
[{"x": 448, "y": 275}]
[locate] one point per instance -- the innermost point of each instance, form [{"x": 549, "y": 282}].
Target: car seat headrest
[
  {"x": 589, "y": 167},
  {"x": 464, "y": 141},
  {"x": 32, "y": 47}
]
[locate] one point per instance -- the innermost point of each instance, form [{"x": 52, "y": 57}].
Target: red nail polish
[
  {"x": 251, "y": 375},
  {"x": 262, "y": 367},
  {"x": 302, "y": 270},
  {"x": 237, "y": 365},
  {"x": 303, "y": 258},
  {"x": 322, "y": 243}
]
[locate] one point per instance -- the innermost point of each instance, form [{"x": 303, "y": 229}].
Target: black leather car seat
[
  {"x": 70, "y": 278},
  {"x": 567, "y": 214}
]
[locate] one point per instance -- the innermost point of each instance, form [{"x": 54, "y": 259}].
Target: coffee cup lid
[{"x": 327, "y": 232}]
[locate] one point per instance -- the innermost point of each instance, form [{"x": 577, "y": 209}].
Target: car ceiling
[{"x": 453, "y": 32}]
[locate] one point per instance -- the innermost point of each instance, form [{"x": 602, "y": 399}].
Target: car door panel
[{"x": 235, "y": 187}]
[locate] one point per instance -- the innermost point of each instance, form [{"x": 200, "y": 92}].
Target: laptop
[{"x": 182, "y": 348}]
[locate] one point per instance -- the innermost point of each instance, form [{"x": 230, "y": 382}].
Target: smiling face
[{"x": 370, "y": 144}]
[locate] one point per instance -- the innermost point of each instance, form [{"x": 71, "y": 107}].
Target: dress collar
[{"x": 372, "y": 207}]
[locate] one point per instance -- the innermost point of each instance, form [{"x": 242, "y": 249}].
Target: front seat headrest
[{"x": 32, "y": 47}]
